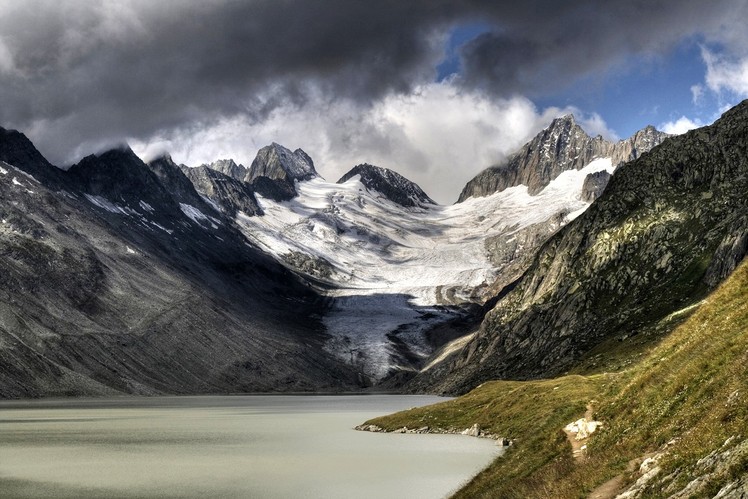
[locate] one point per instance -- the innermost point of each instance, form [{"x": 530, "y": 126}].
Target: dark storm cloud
[
  {"x": 114, "y": 69},
  {"x": 541, "y": 46},
  {"x": 78, "y": 72}
]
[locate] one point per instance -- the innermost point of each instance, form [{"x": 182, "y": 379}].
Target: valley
[{"x": 125, "y": 277}]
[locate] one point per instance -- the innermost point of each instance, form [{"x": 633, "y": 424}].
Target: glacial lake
[{"x": 267, "y": 446}]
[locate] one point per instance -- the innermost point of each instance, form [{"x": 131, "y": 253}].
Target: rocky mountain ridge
[
  {"x": 562, "y": 146},
  {"x": 669, "y": 227},
  {"x": 114, "y": 281}
]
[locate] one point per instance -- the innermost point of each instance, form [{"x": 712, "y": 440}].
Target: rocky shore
[{"x": 473, "y": 431}]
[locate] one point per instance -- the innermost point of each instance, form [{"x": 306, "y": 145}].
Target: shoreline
[{"x": 473, "y": 431}]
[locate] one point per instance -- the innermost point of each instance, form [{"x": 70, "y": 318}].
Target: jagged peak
[
  {"x": 278, "y": 162},
  {"x": 391, "y": 184},
  {"x": 226, "y": 161},
  {"x": 15, "y": 147},
  {"x": 566, "y": 118}
]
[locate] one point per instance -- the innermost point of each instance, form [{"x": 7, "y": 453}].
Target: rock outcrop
[
  {"x": 390, "y": 184},
  {"x": 594, "y": 185},
  {"x": 229, "y": 167},
  {"x": 232, "y": 196},
  {"x": 179, "y": 186},
  {"x": 560, "y": 147}
]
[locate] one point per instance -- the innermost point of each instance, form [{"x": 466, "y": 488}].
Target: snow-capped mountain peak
[
  {"x": 390, "y": 184},
  {"x": 562, "y": 146}
]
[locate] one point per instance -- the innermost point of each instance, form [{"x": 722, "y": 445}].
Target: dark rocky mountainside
[
  {"x": 117, "y": 277},
  {"x": 231, "y": 195},
  {"x": 391, "y": 185},
  {"x": 273, "y": 175},
  {"x": 275, "y": 169},
  {"x": 560, "y": 147},
  {"x": 669, "y": 227}
]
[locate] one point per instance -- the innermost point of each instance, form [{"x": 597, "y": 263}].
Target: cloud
[
  {"x": 439, "y": 136},
  {"x": 100, "y": 70},
  {"x": 89, "y": 72},
  {"x": 594, "y": 124},
  {"x": 348, "y": 81},
  {"x": 697, "y": 92},
  {"x": 681, "y": 125},
  {"x": 726, "y": 73},
  {"x": 573, "y": 41}
]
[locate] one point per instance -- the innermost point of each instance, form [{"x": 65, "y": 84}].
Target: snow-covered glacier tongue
[
  {"x": 405, "y": 275},
  {"x": 395, "y": 272}
]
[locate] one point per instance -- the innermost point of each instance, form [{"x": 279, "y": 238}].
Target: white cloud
[
  {"x": 439, "y": 136},
  {"x": 681, "y": 125},
  {"x": 697, "y": 92},
  {"x": 725, "y": 73},
  {"x": 594, "y": 125}
]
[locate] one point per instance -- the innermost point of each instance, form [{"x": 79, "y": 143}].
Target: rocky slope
[
  {"x": 228, "y": 167},
  {"x": 673, "y": 418},
  {"x": 119, "y": 278},
  {"x": 668, "y": 228},
  {"x": 231, "y": 196},
  {"x": 560, "y": 147},
  {"x": 594, "y": 185},
  {"x": 391, "y": 185}
]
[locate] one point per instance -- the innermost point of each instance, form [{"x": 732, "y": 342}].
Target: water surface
[{"x": 239, "y": 446}]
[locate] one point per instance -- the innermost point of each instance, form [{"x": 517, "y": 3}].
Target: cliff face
[
  {"x": 560, "y": 147},
  {"x": 228, "y": 167},
  {"x": 669, "y": 227},
  {"x": 229, "y": 194},
  {"x": 278, "y": 163}
]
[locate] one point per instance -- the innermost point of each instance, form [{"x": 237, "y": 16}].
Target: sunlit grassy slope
[{"x": 686, "y": 396}]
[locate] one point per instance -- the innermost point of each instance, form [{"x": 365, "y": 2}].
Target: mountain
[
  {"x": 229, "y": 195},
  {"x": 594, "y": 185},
  {"x": 560, "y": 147},
  {"x": 369, "y": 273},
  {"x": 668, "y": 228},
  {"x": 117, "y": 277},
  {"x": 404, "y": 280},
  {"x": 277, "y": 162},
  {"x": 392, "y": 185},
  {"x": 179, "y": 186}
]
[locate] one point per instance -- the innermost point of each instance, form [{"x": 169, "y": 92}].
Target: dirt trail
[
  {"x": 612, "y": 487},
  {"x": 608, "y": 490}
]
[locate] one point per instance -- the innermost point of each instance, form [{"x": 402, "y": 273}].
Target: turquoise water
[{"x": 226, "y": 446}]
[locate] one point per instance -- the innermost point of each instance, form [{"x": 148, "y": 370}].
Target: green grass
[{"x": 680, "y": 387}]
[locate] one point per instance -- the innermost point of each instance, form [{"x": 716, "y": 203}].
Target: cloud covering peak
[{"x": 346, "y": 75}]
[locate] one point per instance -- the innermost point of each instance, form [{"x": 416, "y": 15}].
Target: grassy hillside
[{"x": 679, "y": 402}]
